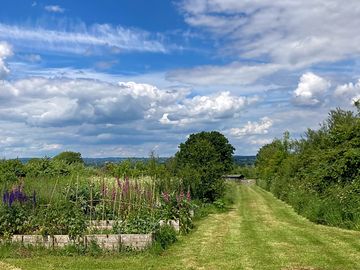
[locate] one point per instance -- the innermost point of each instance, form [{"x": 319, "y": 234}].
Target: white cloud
[
  {"x": 286, "y": 32},
  {"x": 212, "y": 108},
  {"x": 253, "y": 128},
  {"x": 283, "y": 35},
  {"x": 54, "y": 9},
  {"x": 310, "y": 90},
  {"x": 47, "y": 102},
  {"x": 43, "y": 102},
  {"x": 32, "y": 58},
  {"x": 46, "y": 115},
  {"x": 87, "y": 40},
  {"x": 350, "y": 92},
  {"x": 234, "y": 73},
  {"x": 5, "y": 51},
  {"x": 260, "y": 142}
]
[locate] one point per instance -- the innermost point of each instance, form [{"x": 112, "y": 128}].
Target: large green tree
[
  {"x": 69, "y": 157},
  {"x": 201, "y": 162}
]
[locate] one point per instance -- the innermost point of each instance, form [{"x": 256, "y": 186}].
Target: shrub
[
  {"x": 165, "y": 236},
  {"x": 11, "y": 170}
]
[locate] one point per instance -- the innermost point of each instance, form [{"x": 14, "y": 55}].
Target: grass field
[{"x": 260, "y": 232}]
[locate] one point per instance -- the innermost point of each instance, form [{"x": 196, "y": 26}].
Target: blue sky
[{"x": 123, "y": 78}]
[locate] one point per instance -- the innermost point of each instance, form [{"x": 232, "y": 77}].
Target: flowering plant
[{"x": 177, "y": 206}]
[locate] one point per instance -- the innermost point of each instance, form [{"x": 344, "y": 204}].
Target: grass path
[{"x": 259, "y": 233}]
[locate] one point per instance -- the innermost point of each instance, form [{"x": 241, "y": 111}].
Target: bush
[
  {"x": 165, "y": 236},
  {"x": 11, "y": 170},
  {"x": 14, "y": 219}
]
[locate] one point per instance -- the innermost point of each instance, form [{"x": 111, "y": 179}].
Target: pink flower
[
  {"x": 188, "y": 195},
  {"x": 166, "y": 197}
]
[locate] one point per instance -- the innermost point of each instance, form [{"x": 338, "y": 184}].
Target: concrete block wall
[
  {"x": 60, "y": 240},
  {"x": 136, "y": 241},
  {"x": 105, "y": 241},
  {"x": 33, "y": 240}
]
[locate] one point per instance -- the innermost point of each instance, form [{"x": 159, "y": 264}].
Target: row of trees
[{"x": 319, "y": 175}]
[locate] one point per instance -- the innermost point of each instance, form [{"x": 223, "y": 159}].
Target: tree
[
  {"x": 69, "y": 157},
  {"x": 201, "y": 162}
]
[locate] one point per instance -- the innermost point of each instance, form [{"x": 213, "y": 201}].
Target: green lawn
[{"x": 261, "y": 232}]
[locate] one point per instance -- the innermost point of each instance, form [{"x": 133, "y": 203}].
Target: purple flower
[
  {"x": 166, "y": 197},
  {"x": 188, "y": 195},
  {"x": 16, "y": 194},
  {"x": 11, "y": 198}
]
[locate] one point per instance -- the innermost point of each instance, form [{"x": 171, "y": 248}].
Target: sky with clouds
[{"x": 124, "y": 78}]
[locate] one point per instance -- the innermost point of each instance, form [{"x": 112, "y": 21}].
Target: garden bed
[{"x": 104, "y": 241}]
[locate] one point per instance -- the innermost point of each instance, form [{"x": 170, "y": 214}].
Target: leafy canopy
[
  {"x": 201, "y": 162},
  {"x": 69, "y": 157}
]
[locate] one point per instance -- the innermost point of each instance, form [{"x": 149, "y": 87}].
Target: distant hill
[
  {"x": 240, "y": 160},
  {"x": 245, "y": 160}
]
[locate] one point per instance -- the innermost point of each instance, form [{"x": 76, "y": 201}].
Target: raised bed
[{"x": 105, "y": 241}]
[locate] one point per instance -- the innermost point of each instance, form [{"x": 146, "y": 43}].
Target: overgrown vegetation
[
  {"x": 259, "y": 233},
  {"x": 61, "y": 195},
  {"x": 319, "y": 175}
]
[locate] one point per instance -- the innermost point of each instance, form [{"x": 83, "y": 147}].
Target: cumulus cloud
[
  {"x": 350, "y": 91},
  {"x": 210, "y": 108},
  {"x": 43, "y": 102},
  {"x": 5, "y": 51},
  {"x": 54, "y": 9},
  {"x": 253, "y": 128},
  {"x": 310, "y": 90},
  {"x": 81, "y": 40},
  {"x": 48, "y": 115},
  {"x": 61, "y": 102}
]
